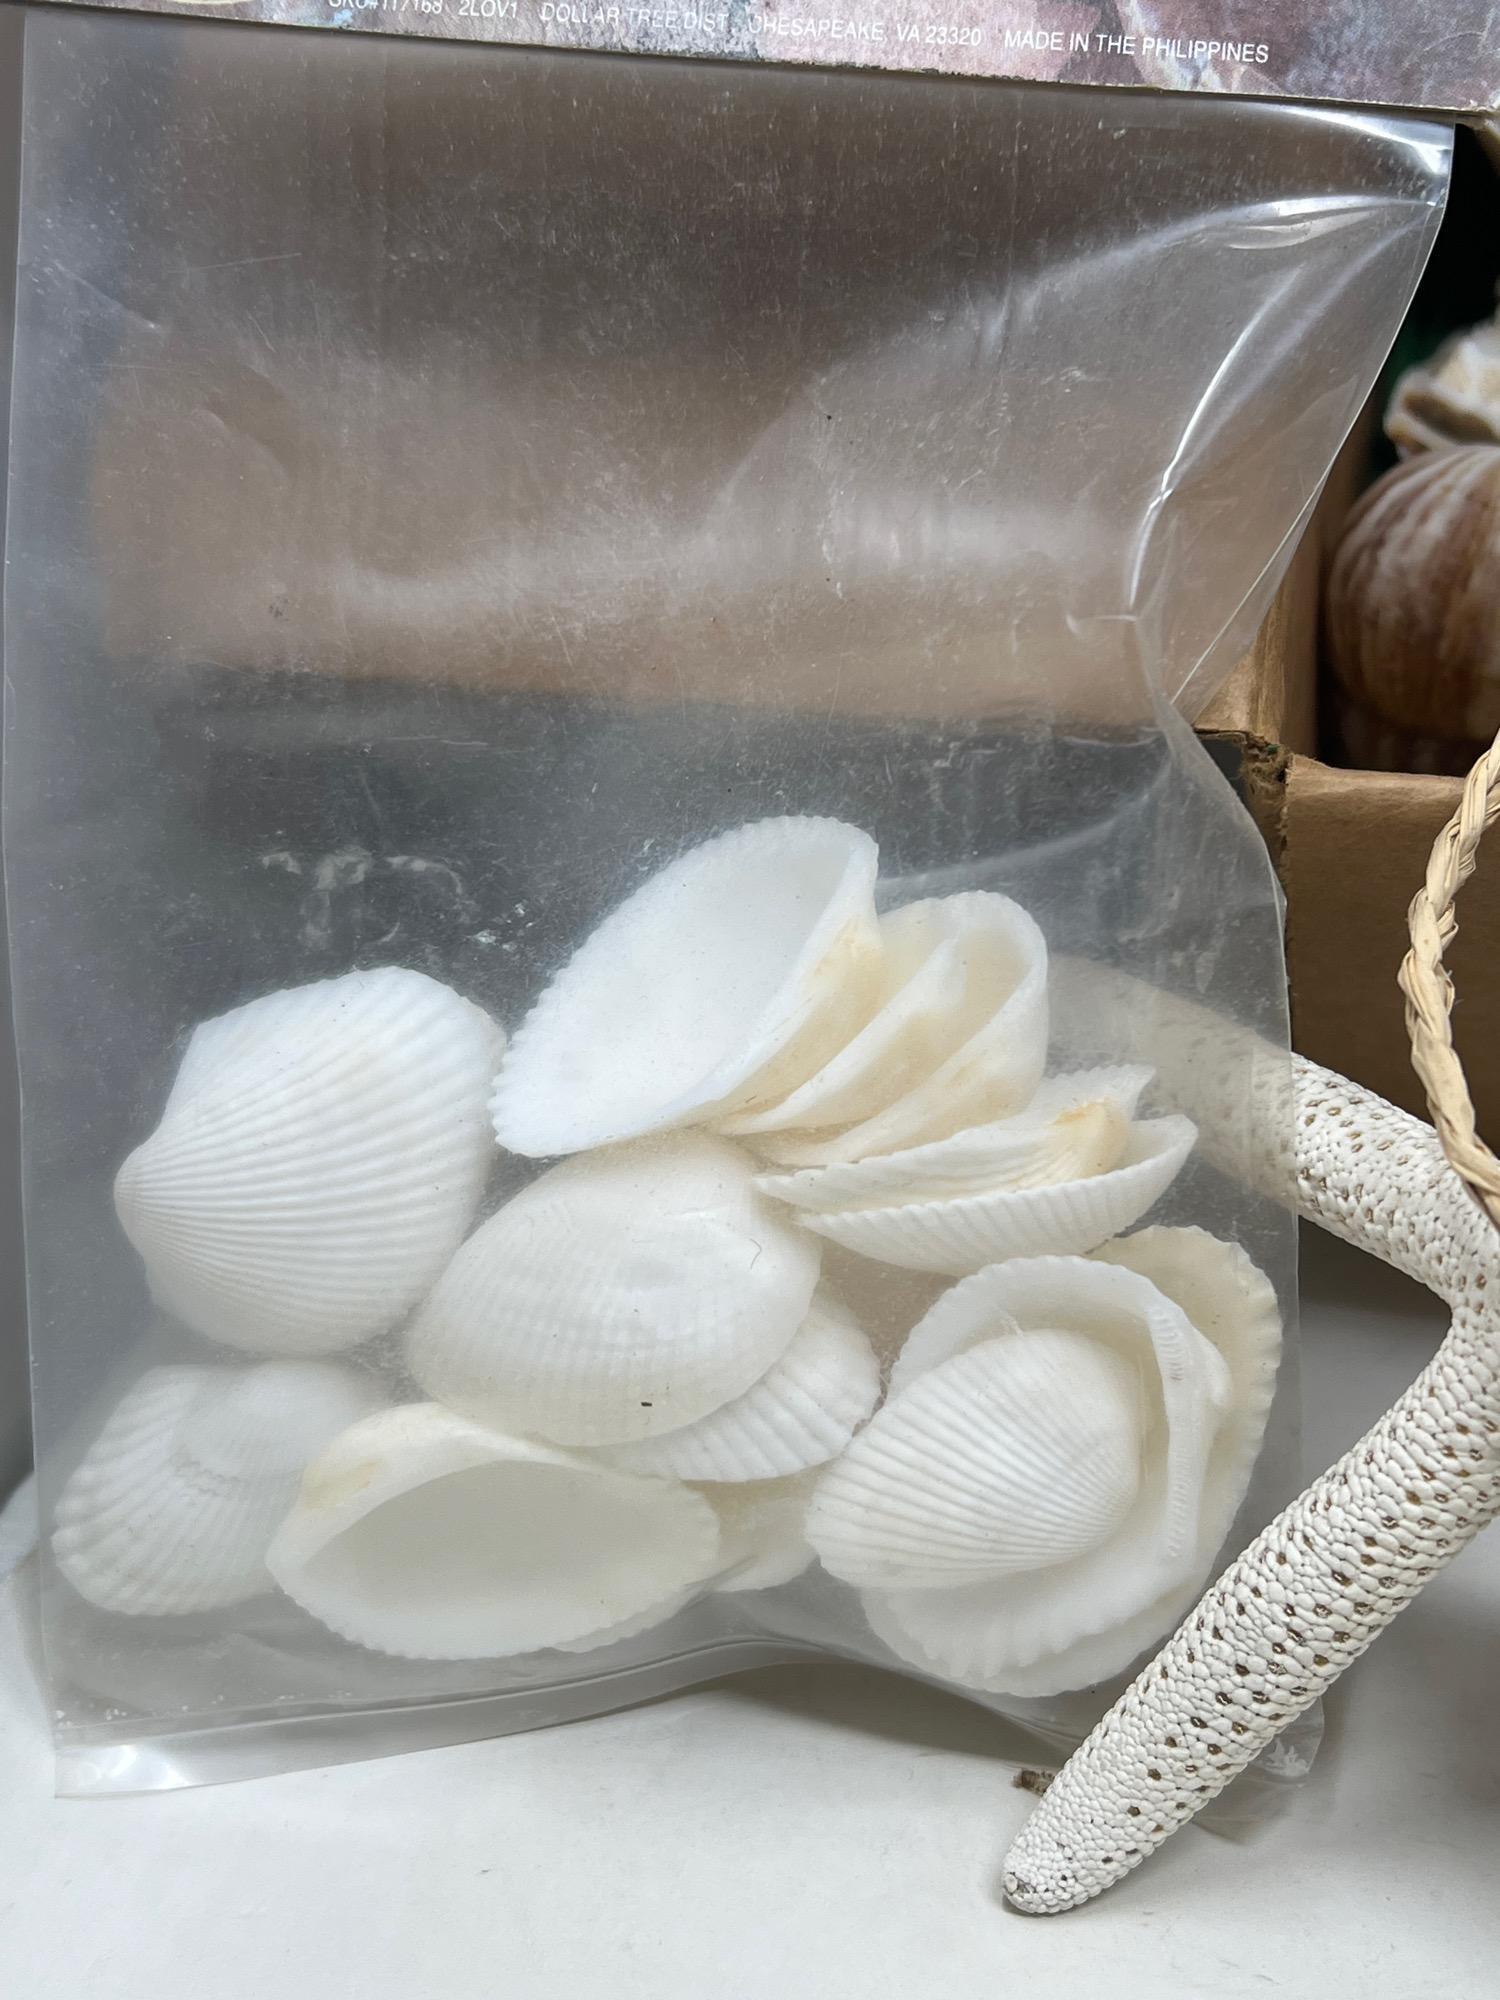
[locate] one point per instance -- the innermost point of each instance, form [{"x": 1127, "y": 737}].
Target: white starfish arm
[{"x": 1331, "y": 1572}]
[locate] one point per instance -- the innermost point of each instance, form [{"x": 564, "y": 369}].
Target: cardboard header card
[{"x": 1400, "y": 53}]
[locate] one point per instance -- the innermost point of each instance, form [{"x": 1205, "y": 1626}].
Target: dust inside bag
[{"x": 645, "y": 1035}]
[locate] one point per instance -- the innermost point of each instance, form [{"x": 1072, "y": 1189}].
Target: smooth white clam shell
[
  {"x": 962, "y": 1234},
  {"x": 1000, "y": 1052},
  {"x": 1015, "y": 1454},
  {"x": 1074, "y": 1128},
  {"x": 174, "y": 1506},
  {"x": 625, "y": 1293},
  {"x": 421, "y": 1534},
  {"x": 764, "y": 1525},
  {"x": 321, "y": 1154},
  {"x": 1081, "y": 1621},
  {"x": 723, "y": 982},
  {"x": 802, "y": 1411},
  {"x": 939, "y": 974},
  {"x": 763, "y": 1544}
]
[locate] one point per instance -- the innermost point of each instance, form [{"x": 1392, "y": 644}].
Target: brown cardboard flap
[
  {"x": 1351, "y": 848},
  {"x": 1355, "y": 849}
]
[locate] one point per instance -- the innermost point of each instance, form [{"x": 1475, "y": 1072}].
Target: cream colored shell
[
  {"x": 991, "y": 1055},
  {"x": 801, "y": 1413},
  {"x": 962, "y": 1234},
  {"x": 1075, "y": 1127},
  {"x": 723, "y": 982},
  {"x": 174, "y": 1505},
  {"x": 950, "y": 967},
  {"x": 627, "y": 1292},
  {"x": 1201, "y": 1325},
  {"x": 420, "y": 1534},
  {"x": 319, "y": 1158}
]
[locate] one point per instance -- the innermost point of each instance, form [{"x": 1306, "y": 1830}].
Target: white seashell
[
  {"x": 1074, "y": 1128},
  {"x": 801, "y": 1412},
  {"x": 1232, "y": 1302},
  {"x": 175, "y": 1504},
  {"x": 1018, "y": 1453},
  {"x": 421, "y": 1534},
  {"x": 943, "y": 961},
  {"x": 722, "y": 983},
  {"x": 1207, "y": 1339},
  {"x": 271, "y": 1420},
  {"x": 940, "y": 1629},
  {"x": 320, "y": 1157},
  {"x": 625, "y": 1293},
  {"x": 764, "y": 1527},
  {"x": 996, "y": 1065},
  {"x": 763, "y": 1545},
  {"x": 964, "y": 1233}
]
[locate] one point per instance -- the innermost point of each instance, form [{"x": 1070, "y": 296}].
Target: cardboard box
[{"x": 1351, "y": 848}]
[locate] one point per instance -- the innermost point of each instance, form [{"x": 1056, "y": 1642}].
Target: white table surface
[{"x": 796, "y": 1834}]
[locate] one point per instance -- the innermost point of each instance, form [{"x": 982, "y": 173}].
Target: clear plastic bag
[{"x": 462, "y": 499}]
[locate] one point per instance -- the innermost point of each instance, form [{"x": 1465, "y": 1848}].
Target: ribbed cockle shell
[
  {"x": 173, "y": 1507},
  {"x": 321, "y": 1154},
  {"x": 421, "y": 1534},
  {"x": 723, "y": 982},
  {"x": 625, "y": 1293}
]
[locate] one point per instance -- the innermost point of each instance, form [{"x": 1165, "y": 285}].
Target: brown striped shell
[{"x": 1414, "y": 596}]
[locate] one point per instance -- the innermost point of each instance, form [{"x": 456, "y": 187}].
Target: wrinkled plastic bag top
[
  {"x": 449, "y": 484},
  {"x": 784, "y": 380}
]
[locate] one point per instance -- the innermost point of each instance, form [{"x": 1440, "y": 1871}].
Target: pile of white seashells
[{"x": 640, "y": 1383}]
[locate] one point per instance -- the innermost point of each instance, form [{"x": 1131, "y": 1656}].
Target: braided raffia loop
[
  {"x": 1428, "y": 986},
  {"x": 1330, "y": 1573}
]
